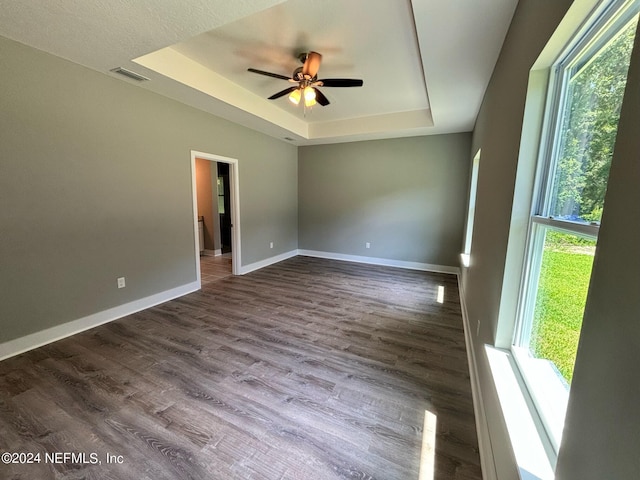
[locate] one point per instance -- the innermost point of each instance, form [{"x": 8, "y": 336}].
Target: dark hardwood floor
[{"x": 307, "y": 369}]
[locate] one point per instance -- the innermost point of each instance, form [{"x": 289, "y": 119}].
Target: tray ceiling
[{"x": 425, "y": 63}]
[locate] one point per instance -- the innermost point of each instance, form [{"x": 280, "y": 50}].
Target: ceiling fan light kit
[
  {"x": 306, "y": 78},
  {"x": 309, "y": 96},
  {"x": 294, "y": 96}
]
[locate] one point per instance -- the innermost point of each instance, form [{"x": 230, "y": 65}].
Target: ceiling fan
[{"x": 307, "y": 83}]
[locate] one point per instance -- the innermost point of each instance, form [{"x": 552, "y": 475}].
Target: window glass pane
[
  {"x": 563, "y": 282},
  {"x": 588, "y": 130}
]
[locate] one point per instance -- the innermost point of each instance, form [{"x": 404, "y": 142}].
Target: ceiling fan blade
[
  {"x": 341, "y": 82},
  {"x": 312, "y": 64},
  {"x": 320, "y": 98},
  {"x": 268, "y": 74},
  {"x": 282, "y": 93}
]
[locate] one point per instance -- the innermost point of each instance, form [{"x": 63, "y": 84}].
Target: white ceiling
[{"x": 425, "y": 63}]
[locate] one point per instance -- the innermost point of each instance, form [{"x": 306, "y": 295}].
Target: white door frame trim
[{"x": 234, "y": 185}]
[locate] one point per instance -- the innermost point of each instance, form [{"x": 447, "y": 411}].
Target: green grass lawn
[{"x": 562, "y": 292}]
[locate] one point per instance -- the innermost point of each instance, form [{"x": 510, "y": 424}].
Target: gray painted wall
[
  {"x": 95, "y": 183},
  {"x": 405, "y": 196},
  {"x": 497, "y": 132},
  {"x": 601, "y": 436}
]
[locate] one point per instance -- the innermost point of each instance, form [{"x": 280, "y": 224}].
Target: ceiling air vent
[{"x": 128, "y": 73}]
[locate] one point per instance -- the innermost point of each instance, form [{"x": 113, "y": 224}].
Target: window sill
[
  {"x": 548, "y": 390},
  {"x": 533, "y": 454}
]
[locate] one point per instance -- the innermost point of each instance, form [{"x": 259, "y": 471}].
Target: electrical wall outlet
[
  {"x": 367, "y": 245},
  {"x": 478, "y": 329},
  {"x": 270, "y": 244},
  {"x": 121, "y": 282}
]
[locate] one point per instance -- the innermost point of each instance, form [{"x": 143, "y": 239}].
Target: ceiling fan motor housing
[{"x": 297, "y": 74}]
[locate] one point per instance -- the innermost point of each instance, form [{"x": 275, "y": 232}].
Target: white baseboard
[
  {"x": 427, "y": 267},
  {"x": 43, "y": 337},
  {"x": 484, "y": 440},
  {"x": 266, "y": 262}
]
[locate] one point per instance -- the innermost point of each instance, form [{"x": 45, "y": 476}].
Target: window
[
  {"x": 586, "y": 90},
  {"x": 471, "y": 212}
]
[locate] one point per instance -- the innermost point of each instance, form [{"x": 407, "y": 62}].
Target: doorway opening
[
  {"x": 216, "y": 216},
  {"x": 224, "y": 208}
]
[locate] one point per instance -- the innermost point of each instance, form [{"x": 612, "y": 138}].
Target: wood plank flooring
[
  {"x": 307, "y": 369},
  {"x": 213, "y": 268}
]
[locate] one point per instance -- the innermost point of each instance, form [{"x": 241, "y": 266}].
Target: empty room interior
[{"x": 320, "y": 239}]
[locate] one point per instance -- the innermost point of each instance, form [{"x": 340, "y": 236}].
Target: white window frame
[
  {"x": 471, "y": 210},
  {"x": 550, "y": 404}
]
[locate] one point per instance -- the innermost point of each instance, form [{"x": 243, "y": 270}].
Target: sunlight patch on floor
[
  {"x": 427, "y": 455},
  {"x": 440, "y": 297}
]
